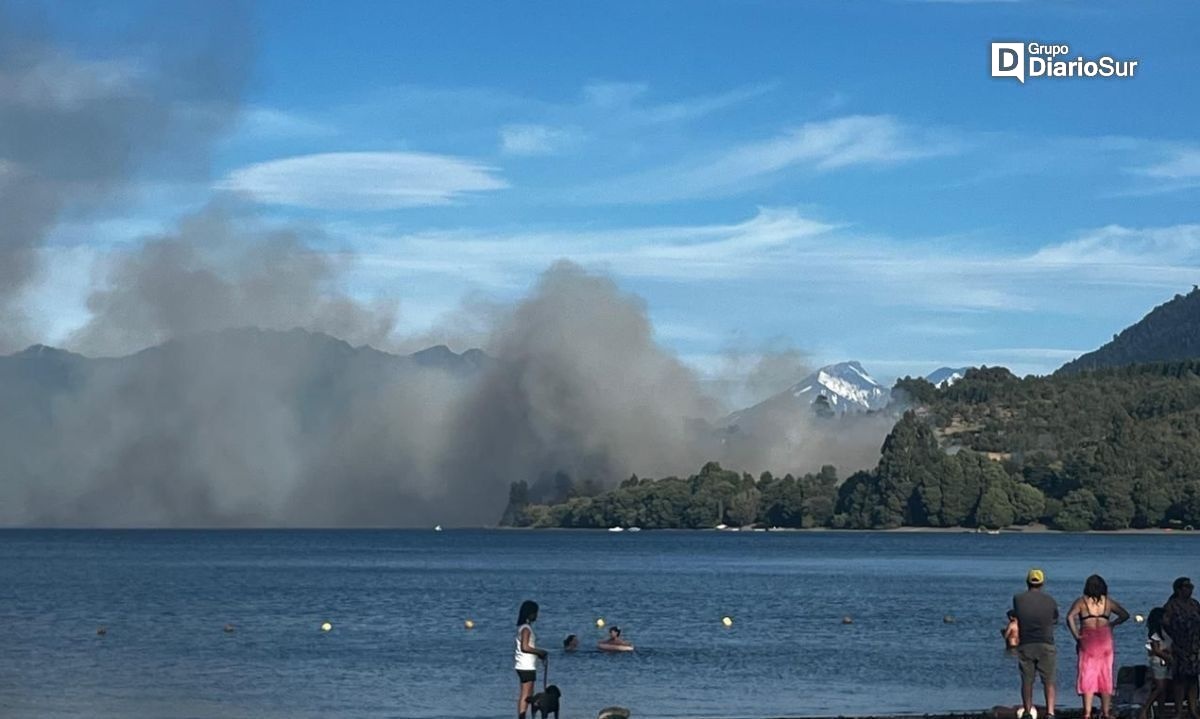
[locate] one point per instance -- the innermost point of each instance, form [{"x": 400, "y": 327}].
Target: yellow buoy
[
  {"x": 727, "y": 621},
  {"x": 326, "y": 627},
  {"x": 600, "y": 623},
  {"x": 1139, "y": 619},
  {"x": 469, "y": 624}
]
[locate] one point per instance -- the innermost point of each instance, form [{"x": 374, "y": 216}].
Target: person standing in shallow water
[
  {"x": 1037, "y": 615},
  {"x": 526, "y": 655},
  {"x": 1091, "y": 620}
]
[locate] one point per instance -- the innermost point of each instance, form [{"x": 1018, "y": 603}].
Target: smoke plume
[
  {"x": 76, "y": 131},
  {"x": 201, "y": 404}
]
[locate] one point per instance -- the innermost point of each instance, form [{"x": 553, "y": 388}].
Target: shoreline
[{"x": 1037, "y": 529}]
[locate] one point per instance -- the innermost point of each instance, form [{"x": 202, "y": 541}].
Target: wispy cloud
[
  {"x": 536, "y": 139},
  {"x": 630, "y": 100},
  {"x": 1002, "y": 354},
  {"x": 1126, "y": 250},
  {"x": 780, "y": 247},
  {"x": 273, "y": 123},
  {"x": 363, "y": 180},
  {"x": 820, "y": 146},
  {"x": 1175, "y": 167},
  {"x": 679, "y": 253}
]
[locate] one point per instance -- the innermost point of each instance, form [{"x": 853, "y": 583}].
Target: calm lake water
[{"x": 398, "y": 600}]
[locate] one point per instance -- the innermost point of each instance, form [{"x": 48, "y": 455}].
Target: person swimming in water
[
  {"x": 614, "y": 642},
  {"x": 571, "y": 643},
  {"x": 1011, "y": 632}
]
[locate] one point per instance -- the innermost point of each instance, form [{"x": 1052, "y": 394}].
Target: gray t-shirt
[{"x": 1037, "y": 614}]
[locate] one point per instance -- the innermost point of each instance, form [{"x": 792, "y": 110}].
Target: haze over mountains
[{"x": 295, "y": 428}]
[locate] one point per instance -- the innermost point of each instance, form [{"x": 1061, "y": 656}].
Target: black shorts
[{"x": 527, "y": 675}]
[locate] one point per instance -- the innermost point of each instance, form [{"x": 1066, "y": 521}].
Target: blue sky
[{"x": 844, "y": 178}]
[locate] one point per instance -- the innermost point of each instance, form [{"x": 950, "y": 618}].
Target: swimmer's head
[
  {"x": 571, "y": 643},
  {"x": 1012, "y": 615},
  {"x": 614, "y": 632}
]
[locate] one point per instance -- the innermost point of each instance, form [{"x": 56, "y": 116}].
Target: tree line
[{"x": 1107, "y": 449}]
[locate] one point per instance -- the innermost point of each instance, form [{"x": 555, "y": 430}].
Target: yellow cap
[{"x": 1035, "y": 577}]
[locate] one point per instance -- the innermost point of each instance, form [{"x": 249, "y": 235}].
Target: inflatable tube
[{"x": 609, "y": 647}]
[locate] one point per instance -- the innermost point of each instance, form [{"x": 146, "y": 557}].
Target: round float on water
[
  {"x": 948, "y": 619},
  {"x": 469, "y": 624},
  {"x": 228, "y": 628},
  {"x": 600, "y": 623},
  {"x": 847, "y": 619},
  {"x": 1139, "y": 618},
  {"x": 727, "y": 621},
  {"x": 326, "y": 626}
]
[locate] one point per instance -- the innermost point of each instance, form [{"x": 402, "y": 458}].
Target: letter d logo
[{"x": 1008, "y": 60}]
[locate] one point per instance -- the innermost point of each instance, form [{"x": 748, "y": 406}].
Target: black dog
[{"x": 545, "y": 702}]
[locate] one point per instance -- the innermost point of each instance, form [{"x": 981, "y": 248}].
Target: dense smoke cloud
[
  {"x": 209, "y": 425},
  {"x": 76, "y": 131},
  {"x": 220, "y": 270}
]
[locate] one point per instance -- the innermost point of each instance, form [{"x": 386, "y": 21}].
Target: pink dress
[{"x": 1095, "y": 674}]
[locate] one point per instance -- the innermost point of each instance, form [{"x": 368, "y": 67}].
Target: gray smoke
[
  {"x": 220, "y": 270},
  {"x": 580, "y": 387},
  {"x": 207, "y": 424},
  {"x": 74, "y": 132}
]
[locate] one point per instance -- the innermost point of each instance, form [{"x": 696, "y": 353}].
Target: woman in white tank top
[{"x": 526, "y": 655}]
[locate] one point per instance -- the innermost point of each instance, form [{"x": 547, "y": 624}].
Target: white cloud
[
  {"x": 535, "y": 139},
  {"x": 1052, "y": 355},
  {"x": 269, "y": 122},
  {"x": 1184, "y": 165},
  {"x": 779, "y": 251},
  {"x": 1126, "y": 249},
  {"x": 363, "y": 180},
  {"x": 678, "y": 253},
  {"x": 819, "y": 146}
]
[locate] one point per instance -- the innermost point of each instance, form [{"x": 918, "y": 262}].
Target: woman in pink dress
[{"x": 1091, "y": 620}]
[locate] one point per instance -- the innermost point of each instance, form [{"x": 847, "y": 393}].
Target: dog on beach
[{"x": 545, "y": 702}]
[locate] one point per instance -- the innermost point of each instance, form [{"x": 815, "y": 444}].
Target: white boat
[
  {"x": 437, "y": 528},
  {"x": 721, "y": 526},
  {"x": 635, "y": 529},
  {"x": 616, "y": 529}
]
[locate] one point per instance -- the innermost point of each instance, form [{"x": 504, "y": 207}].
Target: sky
[{"x": 841, "y": 178}]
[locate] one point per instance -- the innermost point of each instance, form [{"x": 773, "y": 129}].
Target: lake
[{"x": 397, "y": 601}]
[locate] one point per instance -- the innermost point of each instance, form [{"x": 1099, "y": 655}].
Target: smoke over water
[{"x": 209, "y": 425}]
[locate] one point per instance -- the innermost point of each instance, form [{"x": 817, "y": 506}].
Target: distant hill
[
  {"x": 946, "y": 376},
  {"x": 1170, "y": 332}
]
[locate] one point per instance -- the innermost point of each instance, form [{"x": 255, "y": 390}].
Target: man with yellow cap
[{"x": 1037, "y": 615}]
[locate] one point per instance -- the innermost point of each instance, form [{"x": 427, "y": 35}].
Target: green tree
[
  {"x": 995, "y": 510},
  {"x": 1079, "y": 511}
]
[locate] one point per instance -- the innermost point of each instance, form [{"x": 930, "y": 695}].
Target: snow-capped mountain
[
  {"x": 946, "y": 376},
  {"x": 846, "y": 386}
]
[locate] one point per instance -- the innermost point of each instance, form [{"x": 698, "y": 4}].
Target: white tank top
[{"x": 525, "y": 661}]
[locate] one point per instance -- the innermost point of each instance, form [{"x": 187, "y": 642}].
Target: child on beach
[
  {"x": 1158, "y": 658},
  {"x": 1011, "y": 632}
]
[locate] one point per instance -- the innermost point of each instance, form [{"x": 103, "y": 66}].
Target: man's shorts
[{"x": 1039, "y": 659}]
